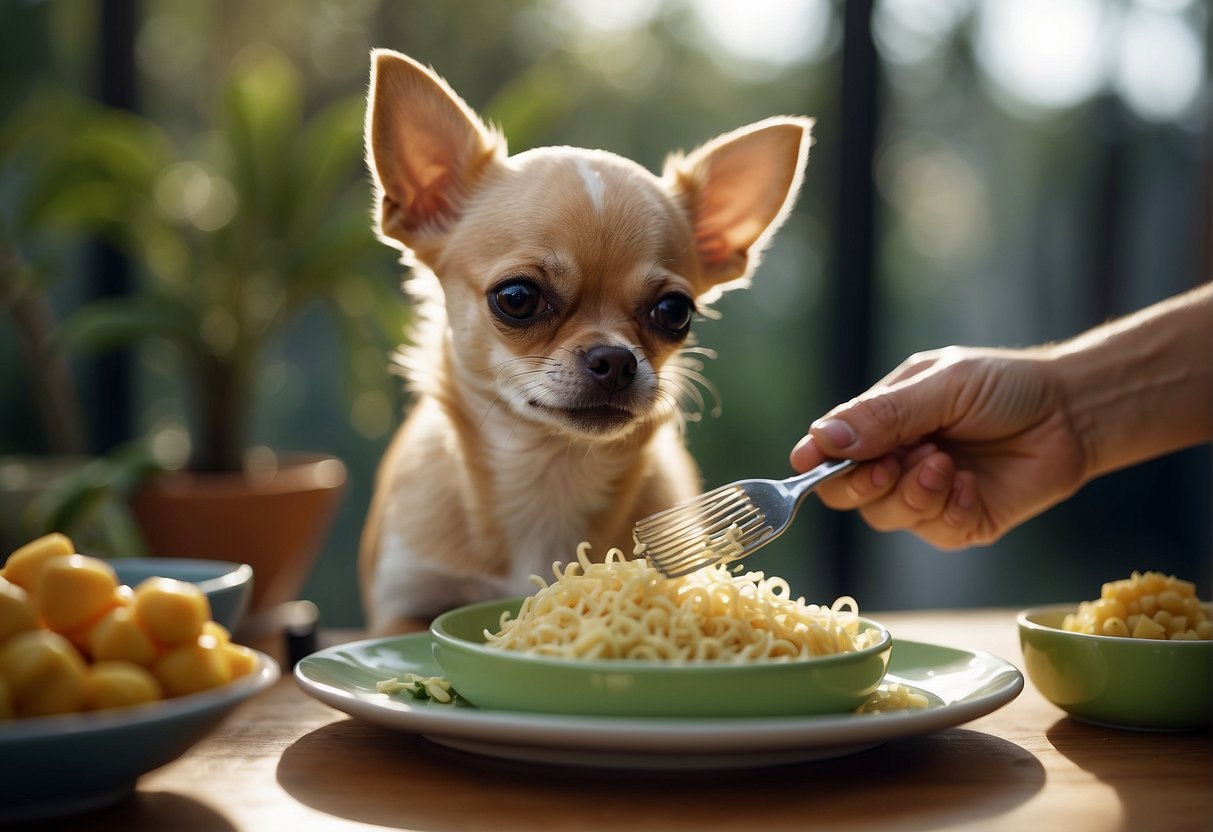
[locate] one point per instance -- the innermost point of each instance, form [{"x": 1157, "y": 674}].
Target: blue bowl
[{"x": 72, "y": 763}]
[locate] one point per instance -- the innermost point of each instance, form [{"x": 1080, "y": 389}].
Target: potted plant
[{"x": 233, "y": 248}]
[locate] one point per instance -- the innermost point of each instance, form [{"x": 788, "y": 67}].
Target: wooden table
[{"x": 284, "y": 761}]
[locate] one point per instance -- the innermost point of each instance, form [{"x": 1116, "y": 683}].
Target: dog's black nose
[{"x": 612, "y": 367}]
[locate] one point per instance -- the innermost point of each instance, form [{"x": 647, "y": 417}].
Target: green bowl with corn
[{"x": 1142, "y": 683}]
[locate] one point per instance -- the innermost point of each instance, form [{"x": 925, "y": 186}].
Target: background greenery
[{"x": 1023, "y": 196}]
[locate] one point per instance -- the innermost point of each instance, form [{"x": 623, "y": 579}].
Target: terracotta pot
[{"x": 275, "y": 519}]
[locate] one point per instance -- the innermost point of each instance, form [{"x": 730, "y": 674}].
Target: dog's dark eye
[
  {"x": 518, "y": 300},
  {"x": 673, "y": 313}
]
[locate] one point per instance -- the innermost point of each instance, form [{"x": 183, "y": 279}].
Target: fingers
[
  {"x": 866, "y": 484},
  {"x": 921, "y": 492},
  {"x": 807, "y": 454},
  {"x": 962, "y": 513}
]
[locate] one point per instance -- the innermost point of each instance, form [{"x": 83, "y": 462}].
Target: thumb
[{"x": 880, "y": 421}]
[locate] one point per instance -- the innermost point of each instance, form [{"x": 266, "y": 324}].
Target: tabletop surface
[{"x": 286, "y": 761}]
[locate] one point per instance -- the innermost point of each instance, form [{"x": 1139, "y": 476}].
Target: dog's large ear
[
  {"x": 737, "y": 190},
  {"x": 426, "y": 149}
]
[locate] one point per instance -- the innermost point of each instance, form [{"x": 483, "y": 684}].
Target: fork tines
[{"x": 720, "y": 525}]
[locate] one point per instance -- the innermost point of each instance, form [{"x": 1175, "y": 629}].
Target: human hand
[{"x": 960, "y": 445}]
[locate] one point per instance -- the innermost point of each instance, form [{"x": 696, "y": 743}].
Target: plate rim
[{"x": 655, "y": 734}]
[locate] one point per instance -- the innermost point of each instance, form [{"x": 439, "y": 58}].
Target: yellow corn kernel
[
  {"x": 1204, "y": 629},
  {"x": 119, "y": 636},
  {"x": 1148, "y": 628},
  {"x": 1186, "y": 589},
  {"x": 25, "y": 564},
  {"x": 117, "y": 684},
  {"x": 45, "y": 673},
  {"x": 190, "y": 668},
  {"x": 16, "y": 611},
  {"x": 1153, "y": 582},
  {"x": 1163, "y": 600},
  {"x": 173, "y": 612},
  {"x": 74, "y": 591},
  {"x": 1115, "y": 627},
  {"x": 1171, "y": 601}
]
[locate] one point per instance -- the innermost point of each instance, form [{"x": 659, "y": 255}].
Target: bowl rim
[
  {"x": 1024, "y": 618},
  {"x": 235, "y": 575},
  {"x": 441, "y": 636},
  {"x": 24, "y": 729}
]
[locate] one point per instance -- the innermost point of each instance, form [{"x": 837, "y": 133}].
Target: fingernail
[
  {"x": 932, "y": 479},
  {"x": 880, "y": 475},
  {"x": 836, "y": 432},
  {"x": 966, "y": 498}
]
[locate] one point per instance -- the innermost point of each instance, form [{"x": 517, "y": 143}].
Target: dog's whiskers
[
  {"x": 682, "y": 379},
  {"x": 537, "y": 363},
  {"x": 544, "y": 364}
]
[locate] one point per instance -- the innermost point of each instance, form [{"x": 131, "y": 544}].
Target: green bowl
[
  {"x": 500, "y": 679},
  {"x": 1144, "y": 684}
]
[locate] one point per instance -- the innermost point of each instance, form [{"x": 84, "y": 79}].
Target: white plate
[{"x": 961, "y": 686}]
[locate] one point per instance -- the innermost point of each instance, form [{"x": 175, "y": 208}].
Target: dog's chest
[{"x": 546, "y": 510}]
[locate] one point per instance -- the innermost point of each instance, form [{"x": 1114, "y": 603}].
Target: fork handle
[{"x": 801, "y": 484}]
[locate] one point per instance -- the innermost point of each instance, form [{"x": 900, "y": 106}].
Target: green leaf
[
  {"x": 109, "y": 323},
  {"x": 96, "y": 493},
  {"x": 262, "y": 116},
  {"x": 327, "y": 159}
]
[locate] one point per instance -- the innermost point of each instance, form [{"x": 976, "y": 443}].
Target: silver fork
[{"x": 727, "y": 523}]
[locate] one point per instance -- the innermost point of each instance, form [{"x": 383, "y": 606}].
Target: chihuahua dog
[{"x": 555, "y": 293}]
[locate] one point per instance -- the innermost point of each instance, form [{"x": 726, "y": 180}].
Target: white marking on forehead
[{"x": 594, "y": 185}]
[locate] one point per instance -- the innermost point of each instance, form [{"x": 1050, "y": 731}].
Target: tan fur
[{"x": 500, "y": 468}]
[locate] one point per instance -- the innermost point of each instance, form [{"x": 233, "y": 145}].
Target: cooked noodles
[{"x": 626, "y": 609}]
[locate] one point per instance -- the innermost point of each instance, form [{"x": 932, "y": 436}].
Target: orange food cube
[
  {"x": 241, "y": 660},
  {"x": 190, "y": 668},
  {"x": 25, "y": 564},
  {"x": 117, "y": 684},
  {"x": 74, "y": 591},
  {"x": 217, "y": 631},
  {"x": 16, "y": 611},
  {"x": 119, "y": 636},
  {"x": 173, "y": 612},
  {"x": 45, "y": 673}
]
